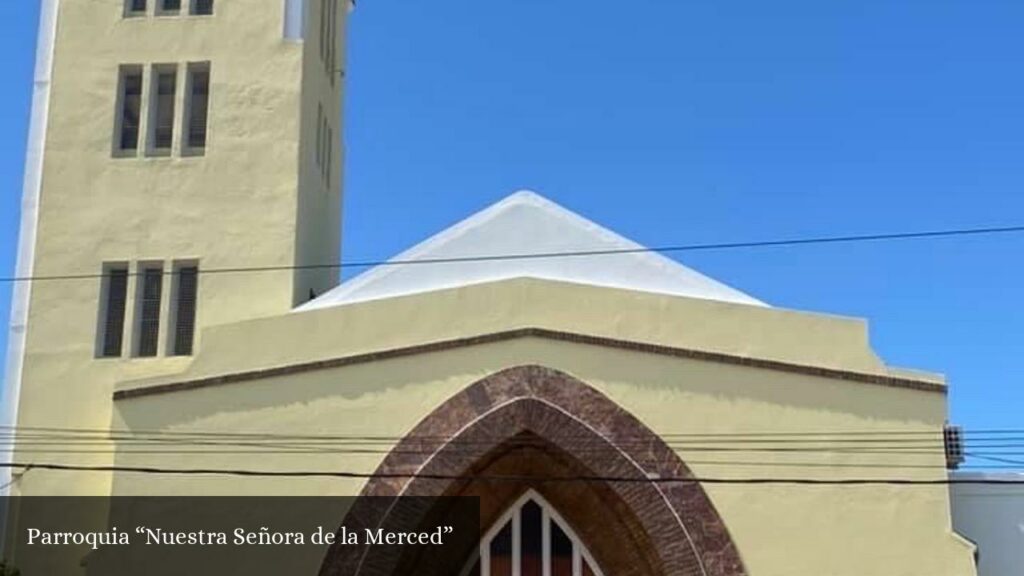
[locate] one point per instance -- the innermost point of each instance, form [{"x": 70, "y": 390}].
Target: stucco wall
[
  {"x": 240, "y": 204},
  {"x": 747, "y": 331},
  {"x": 318, "y": 217},
  {"x": 780, "y": 530}
]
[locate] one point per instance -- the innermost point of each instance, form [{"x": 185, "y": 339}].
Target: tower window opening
[
  {"x": 130, "y": 104},
  {"x": 185, "y": 290},
  {"x": 170, "y": 6},
  {"x": 201, "y": 7},
  {"x": 197, "y": 106},
  {"x": 149, "y": 310},
  {"x": 319, "y": 135},
  {"x": 134, "y": 7},
  {"x": 165, "y": 86},
  {"x": 332, "y": 29},
  {"x": 323, "y": 31},
  {"x": 330, "y": 154},
  {"x": 114, "y": 292}
]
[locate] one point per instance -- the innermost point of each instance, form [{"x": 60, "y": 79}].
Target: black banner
[{"x": 176, "y": 536}]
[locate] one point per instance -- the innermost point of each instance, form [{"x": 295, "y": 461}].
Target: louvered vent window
[
  {"x": 332, "y": 45},
  {"x": 198, "y": 105},
  {"x": 130, "y": 102},
  {"x": 323, "y": 31},
  {"x": 115, "y": 292},
  {"x": 149, "y": 311},
  {"x": 163, "y": 108},
  {"x": 202, "y": 7},
  {"x": 185, "y": 310},
  {"x": 319, "y": 135},
  {"x": 330, "y": 154},
  {"x": 135, "y": 7}
]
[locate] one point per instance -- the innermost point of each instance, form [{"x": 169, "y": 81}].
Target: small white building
[{"x": 992, "y": 516}]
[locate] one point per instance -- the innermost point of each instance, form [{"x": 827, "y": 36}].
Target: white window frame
[{"x": 548, "y": 515}]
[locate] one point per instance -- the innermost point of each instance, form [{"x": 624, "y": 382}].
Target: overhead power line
[
  {"x": 895, "y": 450},
  {"x": 907, "y": 442},
  {"x": 936, "y": 432},
  {"x": 836, "y": 449},
  {"x": 510, "y": 478},
  {"x": 958, "y": 232}
]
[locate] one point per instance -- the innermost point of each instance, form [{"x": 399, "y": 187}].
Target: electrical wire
[
  {"x": 826, "y": 435},
  {"x": 512, "y": 478},
  {"x": 836, "y": 449},
  {"x": 958, "y": 232}
]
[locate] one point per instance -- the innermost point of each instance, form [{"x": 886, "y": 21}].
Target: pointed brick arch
[{"x": 538, "y": 422}]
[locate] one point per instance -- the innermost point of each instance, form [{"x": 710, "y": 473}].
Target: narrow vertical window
[
  {"x": 185, "y": 288},
  {"x": 531, "y": 539},
  {"x": 114, "y": 291},
  {"x": 164, "y": 87},
  {"x": 323, "y": 30},
  {"x": 198, "y": 106},
  {"x": 134, "y": 7},
  {"x": 331, "y": 40},
  {"x": 201, "y": 7},
  {"x": 170, "y": 6},
  {"x": 319, "y": 135},
  {"x": 149, "y": 310},
  {"x": 130, "y": 108},
  {"x": 561, "y": 551},
  {"x": 501, "y": 552},
  {"x": 330, "y": 153}
]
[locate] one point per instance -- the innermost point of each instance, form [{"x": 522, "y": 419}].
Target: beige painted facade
[
  {"x": 779, "y": 530},
  {"x": 256, "y": 197}
]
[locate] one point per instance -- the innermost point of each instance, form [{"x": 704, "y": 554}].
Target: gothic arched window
[{"x": 531, "y": 539}]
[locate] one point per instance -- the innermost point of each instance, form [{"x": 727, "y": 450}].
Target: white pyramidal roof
[{"x": 521, "y": 224}]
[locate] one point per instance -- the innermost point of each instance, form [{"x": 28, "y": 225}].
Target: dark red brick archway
[{"x": 536, "y": 422}]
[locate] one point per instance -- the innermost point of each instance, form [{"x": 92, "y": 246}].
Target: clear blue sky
[{"x": 679, "y": 121}]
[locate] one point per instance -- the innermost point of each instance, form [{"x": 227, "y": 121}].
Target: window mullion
[
  {"x": 577, "y": 558},
  {"x": 179, "y": 132},
  {"x": 545, "y": 540},
  {"x": 517, "y": 543}
]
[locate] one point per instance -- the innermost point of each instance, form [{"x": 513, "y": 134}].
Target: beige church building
[{"x": 174, "y": 142}]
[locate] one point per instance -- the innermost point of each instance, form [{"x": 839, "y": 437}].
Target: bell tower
[{"x": 170, "y": 140}]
